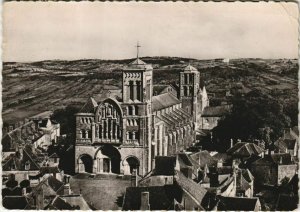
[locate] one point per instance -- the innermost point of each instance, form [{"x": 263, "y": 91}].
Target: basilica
[{"x": 124, "y": 132}]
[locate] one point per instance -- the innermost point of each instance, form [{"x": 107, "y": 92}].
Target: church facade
[{"x": 120, "y": 133}]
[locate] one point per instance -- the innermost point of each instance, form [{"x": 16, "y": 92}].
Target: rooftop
[
  {"x": 243, "y": 149},
  {"x": 164, "y": 100},
  {"x": 237, "y": 204}
]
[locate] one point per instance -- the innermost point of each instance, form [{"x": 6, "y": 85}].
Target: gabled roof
[
  {"x": 76, "y": 201},
  {"x": 190, "y": 68},
  {"x": 138, "y": 64},
  {"x": 15, "y": 202},
  {"x": 276, "y": 158},
  {"x": 50, "y": 186},
  {"x": 243, "y": 149},
  {"x": 286, "y": 143},
  {"x": 48, "y": 169},
  {"x": 165, "y": 100},
  {"x": 204, "y": 158},
  {"x": 89, "y": 106},
  {"x": 59, "y": 204},
  {"x": 237, "y": 203},
  {"x": 188, "y": 185}
]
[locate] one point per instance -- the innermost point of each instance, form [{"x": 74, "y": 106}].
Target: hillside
[{"x": 29, "y": 88}]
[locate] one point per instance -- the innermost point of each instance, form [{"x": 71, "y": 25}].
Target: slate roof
[
  {"x": 164, "y": 100},
  {"x": 164, "y": 165},
  {"x": 276, "y": 158},
  {"x": 237, "y": 203},
  {"x": 286, "y": 143},
  {"x": 49, "y": 169},
  {"x": 59, "y": 204},
  {"x": 76, "y": 201},
  {"x": 243, "y": 149},
  {"x": 28, "y": 156},
  {"x": 188, "y": 185},
  {"x": 15, "y": 202},
  {"x": 205, "y": 158},
  {"x": 216, "y": 111},
  {"x": 89, "y": 106},
  {"x": 160, "y": 197},
  {"x": 51, "y": 186}
]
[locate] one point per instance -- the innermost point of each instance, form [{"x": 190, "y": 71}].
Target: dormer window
[
  {"x": 27, "y": 165},
  {"x": 13, "y": 166}
]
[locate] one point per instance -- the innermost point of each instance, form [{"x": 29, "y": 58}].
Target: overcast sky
[{"x": 50, "y": 30}]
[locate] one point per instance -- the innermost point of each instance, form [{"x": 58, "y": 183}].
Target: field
[{"x": 30, "y": 88}]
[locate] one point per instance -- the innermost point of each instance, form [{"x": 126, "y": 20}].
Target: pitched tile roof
[
  {"x": 286, "y": 143},
  {"x": 59, "y": 204},
  {"x": 204, "y": 158},
  {"x": 237, "y": 203},
  {"x": 164, "y": 100},
  {"x": 50, "y": 186},
  {"x": 188, "y": 185},
  {"x": 276, "y": 158},
  {"x": 243, "y": 149},
  {"x": 160, "y": 197},
  {"x": 76, "y": 201}
]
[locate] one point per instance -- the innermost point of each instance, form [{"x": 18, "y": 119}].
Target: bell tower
[
  {"x": 189, "y": 90},
  {"x": 137, "y": 92}
]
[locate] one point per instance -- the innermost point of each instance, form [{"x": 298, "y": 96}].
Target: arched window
[
  {"x": 131, "y": 90},
  {"x": 191, "y": 90},
  {"x": 130, "y": 135},
  {"x": 105, "y": 128},
  {"x": 136, "y": 110},
  {"x": 83, "y": 134},
  {"x": 130, "y": 110},
  {"x": 185, "y": 91},
  {"x": 89, "y": 134},
  {"x": 100, "y": 131}
]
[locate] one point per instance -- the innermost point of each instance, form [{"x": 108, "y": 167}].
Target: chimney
[
  {"x": 145, "y": 201},
  {"x": 67, "y": 190},
  {"x": 280, "y": 161},
  {"x": 231, "y": 143},
  {"x": 134, "y": 178}
]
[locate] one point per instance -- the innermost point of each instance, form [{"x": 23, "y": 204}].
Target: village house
[
  {"x": 289, "y": 142},
  {"x": 272, "y": 169}
]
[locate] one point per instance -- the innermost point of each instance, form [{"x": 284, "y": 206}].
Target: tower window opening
[
  {"x": 131, "y": 90},
  {"x": 185, "y": 93}
]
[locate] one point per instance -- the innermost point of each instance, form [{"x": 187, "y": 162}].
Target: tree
[
  {"x": 66, "y": 118},
  {"x": 24, "y": 183},
  {"x": 255, "y": 115},
  {"x": 11, "y": 183}
]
